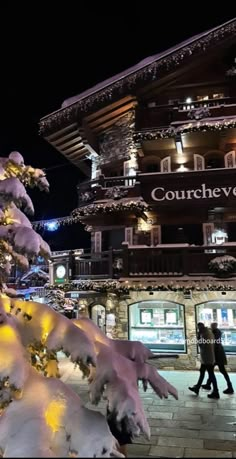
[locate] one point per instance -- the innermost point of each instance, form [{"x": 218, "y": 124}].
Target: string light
[
  {"x": 146, "y": 74},
  {"x": 194, "y": 126},
  {"x": 117, "y": 287}
]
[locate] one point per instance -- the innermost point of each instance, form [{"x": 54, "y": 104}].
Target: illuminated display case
[
  {"x": 224, "y": 313},
  {"x": 159, "y": 325}
]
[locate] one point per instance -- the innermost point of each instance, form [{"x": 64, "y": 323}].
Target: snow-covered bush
[{"x": 223, "y": 265}]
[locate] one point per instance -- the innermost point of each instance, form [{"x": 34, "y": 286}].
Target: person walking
[
  {"x": 207, "y": 355},
  {"x": 220, "y": 360}
]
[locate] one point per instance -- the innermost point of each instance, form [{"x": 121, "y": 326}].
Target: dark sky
[{"x": 49, "y": 54}]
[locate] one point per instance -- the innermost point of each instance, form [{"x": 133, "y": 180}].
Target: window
[
  {"x": 218, "y": 96},
  {"x": 152, "y": 168},
  {"x": 224, "y": 313},
  {"x": 159, "y": 325},
  {"x": 199, "y": 98}
]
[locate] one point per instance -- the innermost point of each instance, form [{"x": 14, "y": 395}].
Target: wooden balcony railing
[
  {"x": 156, "y": 262},
  {"x": 163, "y": 115},
  {"x": 143, "y": 183}
]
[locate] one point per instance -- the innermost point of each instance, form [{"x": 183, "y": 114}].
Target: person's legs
[
  {"x": 223, "y": 371},
  {"x": 201, "y": 375},
  {"x": 215, "y": 393},
  {"x": 197, "y": 386},
  {"x": 207, "y": 386}
]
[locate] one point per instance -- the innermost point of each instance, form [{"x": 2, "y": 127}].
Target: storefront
[
  {"x": 166, "y": 321},
  {"x": 224, "y": 313},
  {"x": 160, "y": 325}
]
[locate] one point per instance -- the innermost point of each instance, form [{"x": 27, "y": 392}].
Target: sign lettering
[{"x": 202, "y": 192}]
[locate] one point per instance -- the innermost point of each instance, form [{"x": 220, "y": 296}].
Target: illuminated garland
[
  {"x": 133, "y": 81},
  {"x": 106, "y": 208},
  {"x": 54, "y": 223},
  {"x": 92, "y": 209},
  {"x": 199, "y": 126},
  {"x": 112, "y": 286}
]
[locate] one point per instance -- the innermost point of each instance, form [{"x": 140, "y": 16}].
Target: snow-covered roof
[
  {"x": 144, "y": 63},
  {"x": 126, "y": 82}
]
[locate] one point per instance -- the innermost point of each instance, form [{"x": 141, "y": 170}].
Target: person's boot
[
  {"x": 206, "y": 386},
  {"x": 214, "y": 394},
  {"x": 194, "y": 389},
  {"x": 229, "y": 390}
]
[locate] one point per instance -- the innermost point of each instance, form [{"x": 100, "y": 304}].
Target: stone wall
[{"x": 190, "y": 360}]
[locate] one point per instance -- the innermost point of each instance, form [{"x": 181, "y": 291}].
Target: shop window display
[
  {"x": 224, "y": 313},
  {"x": 159, "y": 325}
]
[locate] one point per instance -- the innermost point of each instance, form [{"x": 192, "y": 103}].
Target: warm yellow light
[
  {"x": 54, "y": 414},
  {"x": 143, "y": 226},
  {"x": 8, "y": 334},
  {"x": 47, "y": 325}
]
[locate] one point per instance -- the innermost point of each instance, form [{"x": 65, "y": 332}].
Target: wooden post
[
  {"x": 125, "y": 259},
  {"x": 110, "y": 262}
]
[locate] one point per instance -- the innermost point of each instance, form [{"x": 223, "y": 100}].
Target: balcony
[
  {"x": 160, "y": 261},
  {"x": 163, "y": 115},
  {"x": 106, "y": 188}
]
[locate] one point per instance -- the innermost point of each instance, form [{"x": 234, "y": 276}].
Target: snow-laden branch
[
  {"x": 15, "y": 228},
  {"x": 48, "y": 418},
  {"x": 118, "y": 368},
  {"x": 120, "y": 365},
  {"x": 11, "y": 189},
  {"x": 38, "y": 323}
]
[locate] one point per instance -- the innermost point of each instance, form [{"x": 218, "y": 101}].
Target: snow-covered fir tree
[
  {"x": 40, "y": 416},
  {"x": 18, "y": 241}
]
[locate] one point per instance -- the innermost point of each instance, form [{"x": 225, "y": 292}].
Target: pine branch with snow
[
  {"x": 115, "y": 367},
  {"x": 18, "y": 241}
]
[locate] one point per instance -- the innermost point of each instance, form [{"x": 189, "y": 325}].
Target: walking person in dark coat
[
  {"x": 207, "y": 355},
  {"x": 220, "y": 360}
]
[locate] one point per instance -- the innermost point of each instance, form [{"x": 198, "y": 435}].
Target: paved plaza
[{"x": 189, "y": 427}]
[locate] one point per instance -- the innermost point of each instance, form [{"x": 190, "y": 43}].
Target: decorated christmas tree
[{"x": 39, "y": 415}]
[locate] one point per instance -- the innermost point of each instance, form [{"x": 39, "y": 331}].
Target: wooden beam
[
  {"x": 66, "y": 137},
  {"x": 76, "y": 140},
  {"x": 110, "y": 108},
  {"x": 58, "y": 134}
]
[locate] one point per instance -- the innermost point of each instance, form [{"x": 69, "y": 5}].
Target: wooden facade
[{"x": 157, "y": 144}]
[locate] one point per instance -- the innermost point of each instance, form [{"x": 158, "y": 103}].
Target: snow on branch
[
  {"x": 120, "y": 365},
  {"x": 38, "y": 323},
  {"x": 45, "y": 418},
  {"x": 11, "y": 189},
  {"x": 15, "y": 229}
]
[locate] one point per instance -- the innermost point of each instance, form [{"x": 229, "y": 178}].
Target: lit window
[
  {"x": 218, "y": 96},
  {"x": 224, "y": 313},
  {"x": 199, "y": 98}
]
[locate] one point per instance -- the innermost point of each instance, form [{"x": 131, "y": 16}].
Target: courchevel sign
[{"x": 201, "y": 192}]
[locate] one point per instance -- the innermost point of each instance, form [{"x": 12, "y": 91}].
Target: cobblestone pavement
[{"x": 189, "y": 427}]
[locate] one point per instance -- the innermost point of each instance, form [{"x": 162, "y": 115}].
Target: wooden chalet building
[{"x": 157, "y": 143}]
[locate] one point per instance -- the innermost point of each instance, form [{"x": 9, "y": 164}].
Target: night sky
[{"x": 51, "y": 55}]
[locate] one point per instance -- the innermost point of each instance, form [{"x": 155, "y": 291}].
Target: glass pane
[
  {"x": 224, "y": 313},
  {"x": 158, "y": 325}
]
